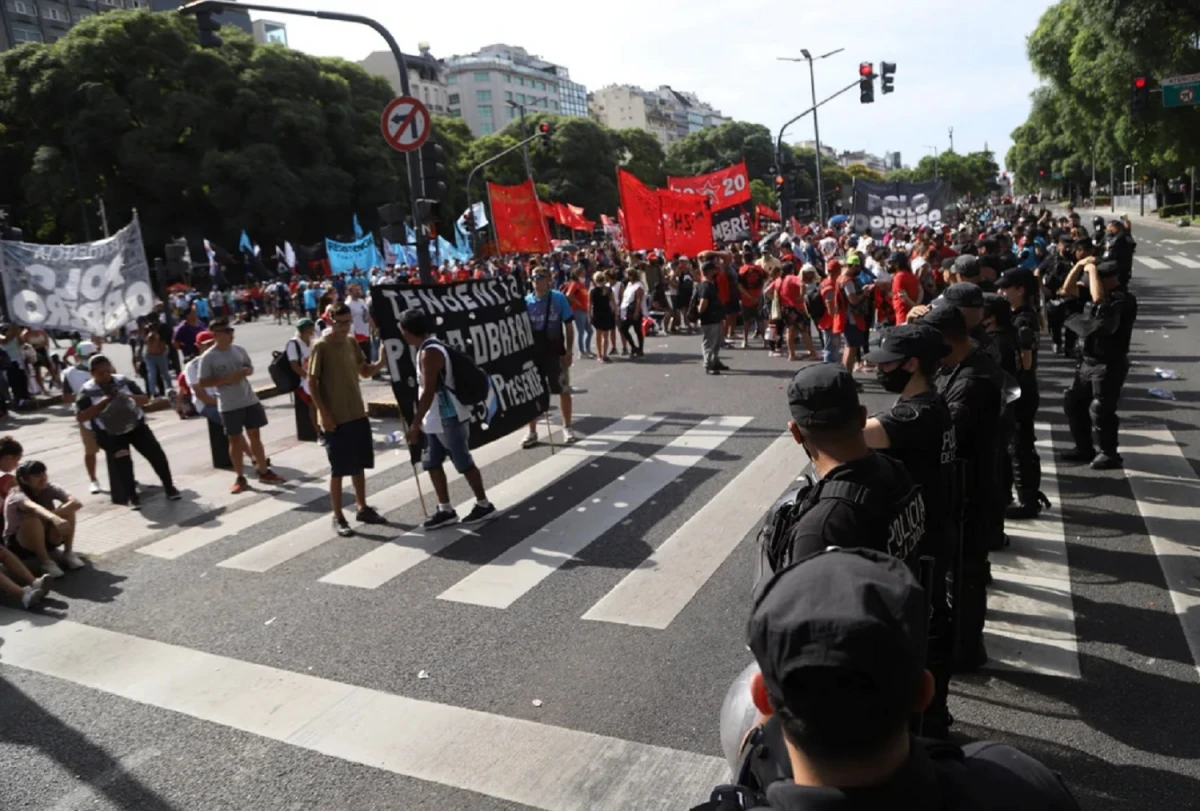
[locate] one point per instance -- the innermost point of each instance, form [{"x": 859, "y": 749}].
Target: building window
[
  {"x": 482, "y": 76},
  {"x": 521, "y": 81},
  {"x": 541, "y": 85},
  {"x": 483, "y": 95},
  {"x": 507, "y": 79},
  {"x": 24, "y": 8},
  {"x": 485, "y": 111},
  {"x": 512, "y": 113},
  {"x": 82, "y": 14},
  {"x": 554, "y": 105},
  {"x": 452, "y": 79},
  {"x": 520, "y": 98},
  {"x": 57, "y": 14},
  {"x": 452, "y": 99},
  {"x": 25, "y": 35},
  {"x": 486, "y": 128},
  {"x": 508, "y": 96}
]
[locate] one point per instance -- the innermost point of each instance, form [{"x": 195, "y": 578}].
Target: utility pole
[
  {"x": 103, "y": 218},
  {"x": 524, "y": 135},
  {"x": 1112, "y": 187},
  {"x": 951, "y": 139},
  {"x": 812, "y": 78},
  {"x": 1192, "y": 195},
  {"x": 935, "y": 160}
]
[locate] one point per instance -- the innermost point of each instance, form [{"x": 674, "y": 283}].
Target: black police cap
[
  {"x": 964, "y": 294},
  {"x": 906, "y": 341},
  {"x": 823, "y": 396}
]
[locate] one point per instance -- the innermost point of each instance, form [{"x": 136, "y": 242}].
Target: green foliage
[
  {"x": 1174, "y": 211},
  {"x": 718, "y": 147},
  {"x": 1087, "y": 52},
  {"x": 642, "y": 155},
  {"x": 861, "y": 172},
  {"x": 763, "y": 194}
]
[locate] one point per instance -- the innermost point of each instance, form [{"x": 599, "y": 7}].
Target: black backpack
[
  {"x": 814, "y": 302},
  {"x": 471, "y": 383},
  {"x": 282, "y": 374}
]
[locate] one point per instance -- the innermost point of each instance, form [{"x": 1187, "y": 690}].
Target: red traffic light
[
  {"x": 544, "y": 127},
  {"x": 866, "y": 69},
  {"x": 1139, "y": 82},
  {"x": 1042, "y": 172}
]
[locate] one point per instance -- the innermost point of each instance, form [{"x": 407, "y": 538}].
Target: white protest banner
[{"x": 92, "y": 288}]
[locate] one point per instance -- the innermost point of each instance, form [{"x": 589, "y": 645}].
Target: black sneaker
[
  {"x": 367, "y": 515},
  {"x": 1077, "y": 454},
  {"x": 135, "y": 504},
  {"x": 441, "y": 518},
  {"x": 708, "y": 370},
  {"x": 479, "y": 512},
  {"x": 173, "y": 494},
  {"x": 721, "y": 367},
  {"x": 1106, "y": 461},
  {"x": 342, "y": 527}
]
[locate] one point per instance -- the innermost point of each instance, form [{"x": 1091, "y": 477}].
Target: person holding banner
[{"x": 553, "y": 338}]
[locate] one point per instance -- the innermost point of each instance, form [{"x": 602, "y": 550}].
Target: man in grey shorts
[{"x": 227, "y": 368}]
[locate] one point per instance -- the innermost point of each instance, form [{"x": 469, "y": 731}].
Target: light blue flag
[
  {"x": 347, "y": 257},
  {"x": 244, "y": 243},
  {"x": 358, "y": 232}
]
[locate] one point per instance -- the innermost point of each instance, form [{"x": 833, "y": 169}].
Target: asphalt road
[{"x": 251, "y": 660}]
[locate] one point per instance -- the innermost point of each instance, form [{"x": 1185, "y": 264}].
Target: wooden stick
[
  {"x": 549, "y": 433},
  {"x": 420, "y": 495}
]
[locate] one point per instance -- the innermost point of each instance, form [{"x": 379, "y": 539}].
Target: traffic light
[
  {"x": 546, "y": 130},
  {"x": 469, "y": 221},
  {"x": 886, "y": 69},
  {"x": 392, "y": 217},
  {"x": 866, "y": 85},
  {"x": 433, "y": 181},
  {"x": 1041, "y": 172},
  {"x": 207, "y": 29},
  {"x": 780, "y": 185},
  {"x": 1140, "y": 101}
]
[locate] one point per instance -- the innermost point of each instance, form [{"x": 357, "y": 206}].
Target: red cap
[{"x": 204, "y": 337}]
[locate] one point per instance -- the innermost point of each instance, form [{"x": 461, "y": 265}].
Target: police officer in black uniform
[
  {"x": 1053, "y": 273},
  {"x": 839, "y": 639},
  {"x": 861, "y": 498},
  {"x": 1020, "y": 288},
  {"x": 968, "y": 382},
  {"x": 1104, "y": 329},
  {"x": 917, "y": 430},
  {"x": 1119, "y": 247}
]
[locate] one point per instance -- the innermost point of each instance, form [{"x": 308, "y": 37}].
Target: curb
[{"x": 43, "y": 401}]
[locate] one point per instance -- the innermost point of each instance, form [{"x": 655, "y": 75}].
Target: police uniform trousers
[
  {"x": 1006, "y": 431},
  {"x": 1026, "y": 465},
  {"x": 1057, "y": 312},
  {"x": 1091, "y": 403}
]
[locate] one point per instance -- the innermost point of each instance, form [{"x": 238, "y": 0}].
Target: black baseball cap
[
  {"x": 1016, "y": 277},
  {"x": 945, "y": 318},
  {"x": 823, "y": 396},
  {"x": 908, "y": 341},
  {"x": 853, "y": 611},
  {"x": 964, "y": 294},
  {"x": 898, "y": 258},
  {"x": 967, "y": 266}
]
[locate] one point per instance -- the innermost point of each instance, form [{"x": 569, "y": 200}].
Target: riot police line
[{"x": 904, "y": 510}]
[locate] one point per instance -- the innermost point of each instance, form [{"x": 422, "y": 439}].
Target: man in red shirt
[
  {"x": 751, "y": 279},
  {"x": 906, "y": 289},
  {"x": 830, "y": 339}
]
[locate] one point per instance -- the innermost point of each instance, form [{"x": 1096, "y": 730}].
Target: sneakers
[
  {"x": 41, "y": 584},
  {"x": 342, "y": 527},
  {"x": 240, "y": 485},
  {"x": 442, "y": 518},
  {"x": 368, "y": 515},
  {"x": 73, "y": 561},
  {"x": 173, "y": 494},
  {"x": 51, "y": 569},
  {"x": 710, "y": 370},
  {"x": 569, "y": 437},
  {"x": 94, "y": 487},
  {"x": 721, "y": 367},
  {"x": 1106, "y": 461},
  {"x": 1077, "y": 454},
  {"x": 135, "y": 503},
  {"x": 530, "y": 440},
  {"x": 31, "y": 596},
  {"x": 271, "y": 477},
  {"x": 479, "y": 512}
]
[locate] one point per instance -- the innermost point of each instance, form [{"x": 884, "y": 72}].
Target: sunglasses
[
  {"x": 342, "y": 323},
  {"x": 539, "y": 278},
  {"x": 226, "y": 330}
]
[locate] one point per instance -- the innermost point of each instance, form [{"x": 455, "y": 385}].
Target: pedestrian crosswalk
[{"x": 1167, "y": 262}]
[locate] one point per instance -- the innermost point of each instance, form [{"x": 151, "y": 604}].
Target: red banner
[
  {"x": 517, "y": 216},
  {"x": 766, "y": 213},
  {"x": 642, "y": 214},
  {"x": 726, "y": 187},
  {"x": 687, "y": 223},
  {"x": 548, "y": 210}
]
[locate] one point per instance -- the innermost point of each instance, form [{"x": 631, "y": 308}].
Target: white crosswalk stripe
[
  {"x": 1185, "y": 261},
  {"x": 1153, "y": 264}
]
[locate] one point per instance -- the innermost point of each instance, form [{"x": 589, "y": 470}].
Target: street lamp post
[
  {"x": 935, "y": 160},
  {"x": 812, "y": 78},
  {"x": 70, "y": 137},
  {"x": 524, "y": 137}
]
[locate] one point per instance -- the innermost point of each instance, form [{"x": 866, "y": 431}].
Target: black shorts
[
  {"x": 350, "y": 448},
  {"x": 557, "y": 376},
  {"x": 239, "y": 420},
  {"x": 751, "y": 314}
]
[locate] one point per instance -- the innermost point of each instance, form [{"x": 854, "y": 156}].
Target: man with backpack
[{"x": 442, "y": 420}]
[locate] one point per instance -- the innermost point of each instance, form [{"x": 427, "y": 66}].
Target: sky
[{"x": 960, "y": 63}]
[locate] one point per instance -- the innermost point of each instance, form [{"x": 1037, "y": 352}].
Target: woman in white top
[
  {"x": 299, "y": 350},
  {"x": 633, "y": 308}
]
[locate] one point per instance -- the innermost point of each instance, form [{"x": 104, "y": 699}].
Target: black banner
[
  {"x": 879, "y": 206},
  {"x": 484, "y": 318},
  {"x": 733, "y": 223}
]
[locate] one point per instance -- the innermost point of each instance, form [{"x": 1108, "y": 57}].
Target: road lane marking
[
  {"x": 512, "y": 759},
  {"x": 1167, "y": 492},
  {"x": 1186, "y": 262},
  {"x": 1153, "y": 264},
  {"x": 392, "y": 559},
  {"x": 518, "y": 569},
  {"x": 654, "y": 593},
  {"x": 1031, "y": 616}
]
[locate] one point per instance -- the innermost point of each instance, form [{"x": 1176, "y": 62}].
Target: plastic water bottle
[
  {"x": 396, "y": 438},
  {"x": 1162, "y": 394},
  {"x": 1167, "y": 374}
]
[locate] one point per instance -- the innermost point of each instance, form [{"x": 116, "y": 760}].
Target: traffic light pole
[
  {"x": 471, "y": 175},
  {"x": 812, "y": 77},
  {"x": 813, "y": 110},
  {"x": 414, "y": 171}
]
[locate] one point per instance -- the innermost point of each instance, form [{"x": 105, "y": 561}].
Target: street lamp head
[
  {"x": 199, "y": 6},
  {"x": 804, "y": 52}
]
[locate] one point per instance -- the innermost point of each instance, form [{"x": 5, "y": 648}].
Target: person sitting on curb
[{"x": 40, "y": 516}]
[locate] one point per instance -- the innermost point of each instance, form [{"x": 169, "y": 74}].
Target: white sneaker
[
  {"x": 73, "y": 561},
  {"x": 41, "y": 584},
  {"x": 51, "y": 569},
  {"x": 30, "y": 597},
  {"x": 530, "y": 440},
  {"x": 569, "y": 437},
  {"x": 95, "y": 487}
]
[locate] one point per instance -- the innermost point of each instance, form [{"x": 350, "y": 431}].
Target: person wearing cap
[
  {"x": 860, "y": 497},
  {"x": 918, "y": 432},
  {"x": 1057, "y": 308},
  {"x": 1105, "y": 329},
  {"x": 205, "y": 399},
  {"x": 299, "y": 350},
  {"x": 1119, "y": 247},
  {"x": 73, "y": 379},
  {"x": 968, "y": 383},
  {"x": 906, "y": 288},
  {"x": 1020, "y": 288},
  {"x": 710, "y": 311},
  {"x": 840, "y": 639}
]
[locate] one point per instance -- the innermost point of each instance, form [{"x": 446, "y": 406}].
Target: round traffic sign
[
  {"x": 1187, "y": 95},
  {"x": 405, "y": 123}
]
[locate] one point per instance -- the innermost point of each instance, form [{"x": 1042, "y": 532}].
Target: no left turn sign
[
  {"x": 405, "y": 123},
  {"x": 1187, "y": 95}
]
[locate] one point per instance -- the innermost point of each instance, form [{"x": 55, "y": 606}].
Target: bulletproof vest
[
  {"x": 897, "y": 527},
  {"x": 987, "y": 345},
  {"x": 1105, "y": 347},
  {"x": 1007, "y": 350}
]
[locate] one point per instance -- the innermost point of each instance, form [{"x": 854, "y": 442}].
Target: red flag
[
  {"x": 687, "y": 223},
  {"x": 606, "y": 221},
  {"x": 578, "y": 221},
  {"x": 561, "y": 215},
  {"x": 641, "y": 214},
  {"x": 517, "y": 216},
  {"x": 547, "y": 209},
  {"x": 796, "y": 227},
  {"x": 726, "y": 187},
  {"x": 767, "y": 213}
]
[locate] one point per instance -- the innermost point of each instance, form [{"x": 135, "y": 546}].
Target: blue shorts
[
  {"x": 854, "y": 336},
  {"x": 452, "y": 442}
]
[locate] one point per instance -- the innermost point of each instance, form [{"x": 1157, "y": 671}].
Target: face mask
[{"x": 895, "y": 380}]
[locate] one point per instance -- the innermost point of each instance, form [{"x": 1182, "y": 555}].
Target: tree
[
  {"x": 762, "y": 194},
  {"x": 646, "y": 157},
  {"x": 718, "y": 147},
  {"x": 857, "y": 170},
  {"x": 581, "y": 165}
]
